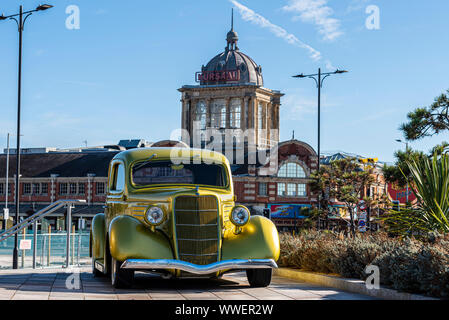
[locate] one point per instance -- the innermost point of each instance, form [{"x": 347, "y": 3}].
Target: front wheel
[
  {"x": 259, "y": 277},
  {"x": 120, "y": 278}
]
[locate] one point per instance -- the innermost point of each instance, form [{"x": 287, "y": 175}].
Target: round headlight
[
  {"x": 155, "y": 216},
  {"x": 240, "y": 215}
]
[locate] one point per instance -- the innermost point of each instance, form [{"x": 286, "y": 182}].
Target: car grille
[{"x": 196, "y": 223}]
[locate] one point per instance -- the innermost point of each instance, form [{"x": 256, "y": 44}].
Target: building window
[
  {"x": 2, "y": 188},
  {"x": 100, "y": 188},
  {"x": 81, "y": 188},
  {"x": 72, "y": 188},
  {"x": 235, "y": 111},
  {"x": 27, "y": 188},
  {"x": 36, "y": 188},
  {"x": 260, "y": 116},
  {"x": 218, "y": 116},
  {"x": 302, "y": 192},
  {"x": 262, "y": 189},
  {"x": 291, "y": 170},
  {"x": 291, "y": 189},
  {"x": 200, "y": 114},
  {"x": 62, "y": 188},
  {"x": 44, "y": 188},
  {"x": 9, "y": 188},
  {"x": 281, "y": 189}
]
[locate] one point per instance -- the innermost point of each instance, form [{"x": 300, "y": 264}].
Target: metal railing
[{"x": 32, "y": 220}]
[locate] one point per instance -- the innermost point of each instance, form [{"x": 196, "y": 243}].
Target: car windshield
[{"x": 165, "y": 172}]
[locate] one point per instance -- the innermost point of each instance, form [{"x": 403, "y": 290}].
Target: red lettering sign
[
  {"x": 401, "y": 194},
  {"x": 218, "y": 76}
]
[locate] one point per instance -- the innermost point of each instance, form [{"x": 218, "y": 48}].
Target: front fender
[
  {"x": 131, "y": 239},
  {"x": 258, "y": 239},
  {"x": 98, "y": 237}
]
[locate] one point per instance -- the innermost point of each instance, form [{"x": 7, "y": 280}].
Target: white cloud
[
  {"x": 318, "y": 13},
  {"x": 255, "y": 18}
]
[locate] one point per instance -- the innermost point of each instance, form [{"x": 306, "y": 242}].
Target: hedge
[{"x": 408, "y": 265}]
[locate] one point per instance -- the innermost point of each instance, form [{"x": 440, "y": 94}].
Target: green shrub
[{"x": 355, "y": 257}]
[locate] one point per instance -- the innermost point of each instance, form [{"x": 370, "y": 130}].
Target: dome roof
[
  {"x": 233, "y": 60},
  {"x": 232, "y": 66}
]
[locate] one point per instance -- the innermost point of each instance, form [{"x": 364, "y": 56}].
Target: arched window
[
  {"x": 291, "y": 170},
  {"x": 235, "y": 113},
  {"x": 200, "y": 114}
]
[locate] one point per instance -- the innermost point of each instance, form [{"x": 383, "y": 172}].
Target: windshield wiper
[{"x": 140, "y": 165}]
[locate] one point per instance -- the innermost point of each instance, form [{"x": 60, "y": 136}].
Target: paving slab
[{"x": 50, "y": 284}]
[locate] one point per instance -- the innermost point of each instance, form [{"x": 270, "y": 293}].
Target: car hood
[{"x": 168, "y": 193}]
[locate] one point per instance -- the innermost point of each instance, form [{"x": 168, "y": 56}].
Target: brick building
[
  {"x": 48, "y": 177},
  {"x": 287, "y": 186}
]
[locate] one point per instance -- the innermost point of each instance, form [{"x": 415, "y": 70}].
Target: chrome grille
[{"x": 196, "y": 223}]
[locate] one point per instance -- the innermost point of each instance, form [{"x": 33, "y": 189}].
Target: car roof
[{"x": 167, "y": 153}]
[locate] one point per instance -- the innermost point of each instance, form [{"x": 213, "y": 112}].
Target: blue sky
[{"x": 116, "y": 77}]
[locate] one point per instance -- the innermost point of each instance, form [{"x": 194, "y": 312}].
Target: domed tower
[{"x": 230, "y": 99}]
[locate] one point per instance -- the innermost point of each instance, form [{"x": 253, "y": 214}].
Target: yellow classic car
[{"x": 171, "y": 211}]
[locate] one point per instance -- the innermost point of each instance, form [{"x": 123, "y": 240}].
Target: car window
[
  {"x": 165, "y": 172},
  {"x": 118, "y": 175}
]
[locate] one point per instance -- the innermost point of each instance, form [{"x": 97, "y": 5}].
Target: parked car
[{"x": 172, "y": 211}]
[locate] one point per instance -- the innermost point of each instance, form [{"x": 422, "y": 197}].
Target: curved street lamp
[
  {"x": 319, "y": 79},
  {"x": 20, "y": 20}
]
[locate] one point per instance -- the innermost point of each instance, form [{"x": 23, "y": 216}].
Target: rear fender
[{"x": 98, "y": 237}]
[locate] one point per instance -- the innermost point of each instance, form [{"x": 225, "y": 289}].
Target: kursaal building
[{"x": 230, "y": 106}]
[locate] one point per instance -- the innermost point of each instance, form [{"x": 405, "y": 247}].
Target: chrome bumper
[{"x": 149, "y": 264}]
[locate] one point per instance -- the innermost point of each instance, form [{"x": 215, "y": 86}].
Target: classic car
[{"x": 172, "y": 211}]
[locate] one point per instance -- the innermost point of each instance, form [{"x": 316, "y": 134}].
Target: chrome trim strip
[{"x": 145, "y": 264}]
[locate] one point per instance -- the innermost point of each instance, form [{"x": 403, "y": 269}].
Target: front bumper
[{"x": 235, "y": 264}]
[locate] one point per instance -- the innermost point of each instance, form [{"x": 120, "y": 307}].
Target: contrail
[{"x": 255, "y": 18}]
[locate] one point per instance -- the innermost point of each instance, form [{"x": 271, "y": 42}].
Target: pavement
[{"x": 62, "y": 284}]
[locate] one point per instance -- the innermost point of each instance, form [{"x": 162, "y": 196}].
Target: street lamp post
[
  {"x": 20, "y": 20},
  {"x": 406, "y": 150},
  {"x": 319, "y": 79}
]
